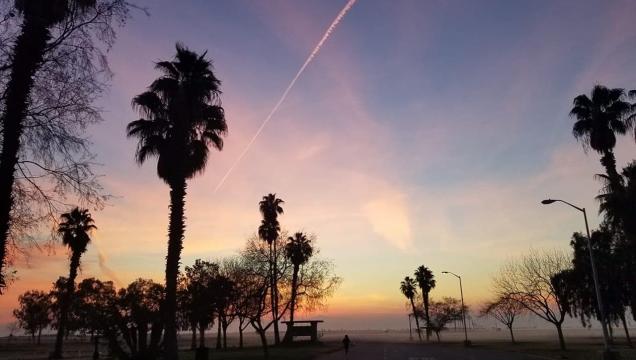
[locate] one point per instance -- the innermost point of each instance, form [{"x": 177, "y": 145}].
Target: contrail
[{"x": 311, "y": 56}]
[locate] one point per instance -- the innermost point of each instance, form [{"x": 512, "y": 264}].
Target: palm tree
[
  {"x": 598, "y": 120},
  {"x": 39, "y": 16},
  {"x": 74, "y": 230},
  {"x": 407, "y": 286},
  {"x": 181, "y": 118},
  {"x": 426, "y": 280},
  {"x": 298, "y": 250},
  {"x": 270, "y": 207}
]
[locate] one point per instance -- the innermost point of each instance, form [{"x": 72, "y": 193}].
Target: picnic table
[{"x": 301, "y": 328}]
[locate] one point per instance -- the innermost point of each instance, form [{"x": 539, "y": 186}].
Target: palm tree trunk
[
  {"x": 294, "y": 290},
  {"x": 28, "y": 54},
  {"x": 417, "y": 322},
  {"x": 427, "y": 319},
  {"x": 609, "y": 163},
  {"x": 65, "y": 305},
  {"x": 275, "y": 297},
  {"x": 175, "y": 244}
]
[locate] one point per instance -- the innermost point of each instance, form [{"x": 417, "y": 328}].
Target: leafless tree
[
  {"x": 527, "y": 280},
  {"x": 504, "y": 310}
]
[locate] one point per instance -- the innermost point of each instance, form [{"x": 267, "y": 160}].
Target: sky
[{"x": 424, "y": 133}]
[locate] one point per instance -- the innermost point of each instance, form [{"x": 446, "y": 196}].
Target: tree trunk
[
  {"x": 261, "y": 333},
  {"x": 65, "y": 305},
  {"x": 629, "y": 339},
  {"x": 27, "y": 58},
  {"x": 224, "y": 325},
  {"x": 428, "y": 319},
  {"x": 561, "y": 338},
  {"x": 512, "y": 335},
  {"x": 417, "y": 322},
  {"x": 40, "y": 335},
  {"x": 143, "y": 337},
  {"x": 275, "y": 296},
  {"x": 218, "y": 334},
  {"x": 240, "y": 336},
  {"x": 193, "y": 344},
  {"x": 609, "y": 163},
  {"x": 201, "y": 336},
  {"x": 437, "y": 334},
  {"x": 175, "y": 244},
  {"x": 294, "y": 290}
]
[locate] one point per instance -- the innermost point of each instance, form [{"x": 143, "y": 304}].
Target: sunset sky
[{"x": 424, "y": 132}]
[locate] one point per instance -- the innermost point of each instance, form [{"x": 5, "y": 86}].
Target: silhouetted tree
[
  {"x": 182, "y": 118},
  {"x": 444, "y": 312},
  {"x": 298, "y": 250},
  {"x": 141, "y": 303},
  {"x": 426, "y": 281},
  {"x": 200, "y": 289},
  {"x": 505, "y": 311},
  {"x": 74, "y": 230},
  {"x": 94, "y": 299},
  {"x": 51, "y": 74},
  {"x": 598, "y": 119},
  {"x": 270, "y": 207},
  {"x": 407, "y": 287},
  {"x": 528, "y": 280},
  {"x": 33, "y": 312}
]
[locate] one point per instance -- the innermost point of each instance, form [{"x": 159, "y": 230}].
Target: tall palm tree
[
  {"x": 298, "y": 250},
  {"x": 270, "y": 207},
  {"x": 38, "y": 18},
  {"x": 407, "y": 286},
  {"x": 426, "y": 280},
  {"x": 74, "y": 229},
  {"x": 181, "y": 118},
  {"x": 599, "y": 118}
]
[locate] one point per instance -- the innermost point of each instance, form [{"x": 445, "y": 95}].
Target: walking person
[{"x": 346, "y": 342}]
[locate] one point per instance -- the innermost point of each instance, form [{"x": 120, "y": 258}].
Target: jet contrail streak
[{"x": 311, "y": 56}]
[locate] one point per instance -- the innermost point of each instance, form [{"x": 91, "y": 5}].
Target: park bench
[{"x": 307, "y": 328}]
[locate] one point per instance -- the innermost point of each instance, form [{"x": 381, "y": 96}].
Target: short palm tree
[
  {"x": 298, "y": 250},
  {"x": 28, "y": 52},
  {"x": 74, "y": 229},
  {"x": 599, "y": 118},
  {"x": 270, "y": 207},
  {"x": 426, "y": 281},
  {"x": 407, "y": 286},
  {"x": 181, "y": 118}
]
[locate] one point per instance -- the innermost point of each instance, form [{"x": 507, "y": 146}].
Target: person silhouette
[{"x": 346, "y": 342}]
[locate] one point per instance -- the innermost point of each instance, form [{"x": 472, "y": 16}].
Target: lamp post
[
  {"x": 597, "y": 288},
  {"x": 461, "y": 292}
]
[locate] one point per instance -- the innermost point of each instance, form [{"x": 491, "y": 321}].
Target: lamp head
[
  {"x": 444, "y": 272},
  {"x": 547, "y": 201}
]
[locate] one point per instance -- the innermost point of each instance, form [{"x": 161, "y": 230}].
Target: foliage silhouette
[
  {"x": 504, "y": 310},
  {"x": 74, "y": 230},
  {"x": 270, "y": 207},
  {"x": 444, "y": 312},
  {"x": 298, "y": 250},
  {"x": 408, "y": 288},
  {"x": 426, "y": 281},
  {"x": 181, "y": 118},
  {"x": 52, "y": 70},
  {"x": 33, "y": 313},
  {"x": 599, "y": 118}
]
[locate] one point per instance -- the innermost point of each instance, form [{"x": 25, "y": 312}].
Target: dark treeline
[
  {"x": 211, "y": 295},
  {"x": 553, "y": 285}
]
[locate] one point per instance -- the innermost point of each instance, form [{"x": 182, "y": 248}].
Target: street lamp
[
  {"x": 461, "y": 292},
  {"x": 599, "y": 300}
]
